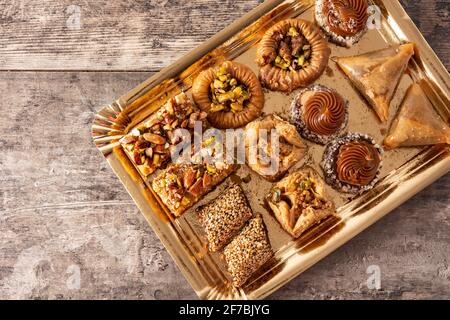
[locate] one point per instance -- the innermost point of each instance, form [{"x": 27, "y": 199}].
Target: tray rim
[{"x": 185, "y": 263}]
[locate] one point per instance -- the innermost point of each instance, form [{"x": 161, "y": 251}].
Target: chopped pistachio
[
  {"x": 305, "y": 184},
  {"x": 225, "y": 97},
  {"x": 216, "y": 107},
  {"x": 276, "y": 195},
  {"x": 301, "y": 60},
  {"x": 306, "y": 47},
  {"x": 233, "y": 82},
  {"x": 210, "y": 168},
  {"x": 223, "y": 78},
  {"x": 237, "y": 106},
  {"x": 293, "y": 32},
  {"x": 208, "y": 141},
  {"x": 218, "y": 84},
  {"x": 278, "y": 60},
  {"x": 222, "y": 71}
]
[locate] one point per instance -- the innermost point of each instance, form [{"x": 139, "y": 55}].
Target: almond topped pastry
[
  {"x": 231, "y": 95},
  {"x": 248, "y": 251},
  {"x": 149, "y": 144},
  {"x": 320, "y": 113},
  {"x": 352, "y": 163},
  {"x": 344, "y": 21},
  {"x": 292, "y": 54},
  {"x": 180, "y": 186},
  {"x": 299, "y": 201},
  {"x": 376, "y": 74},
  {"x": 417, "y": 122},
  {"x": 223, "y": 217},
  {"x": 262, "y": 157}
]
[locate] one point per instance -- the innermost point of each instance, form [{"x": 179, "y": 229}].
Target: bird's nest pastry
[
  {"x": 319, "y": 113},
  {"x": 352, "y": 163},
  {"x": 299, "y": 201},
  {"x": 292, "y": 54},
  {"x": 272, "y": 146},
  {"x": 230, "y": 93},
  {"x": 344, "y": 21}
]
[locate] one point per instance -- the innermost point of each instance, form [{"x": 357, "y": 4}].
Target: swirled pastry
[
  {"x": 344, "y": 21},
  {"x": 272, "y": 146},
  {"x": 417, "y": 122},
  {"x": 292, "y": 54},
  {"x": 376, "y": 74},
  {"x": 299, "y": 201},
  {"x": 352, "y": 163},
  {"x": 231, "y": 95},
  {"x": 320, "y": 113}
]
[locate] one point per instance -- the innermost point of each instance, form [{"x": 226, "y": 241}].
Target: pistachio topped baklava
[
  {"x": 292, "y": 54},
  {"x": 148, "y": 145},
  {"x": 299, "y": 201},
  {"x": 231, "y": 95}
]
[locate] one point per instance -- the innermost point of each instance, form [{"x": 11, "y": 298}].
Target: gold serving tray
[{"x": 405, "y": 171}]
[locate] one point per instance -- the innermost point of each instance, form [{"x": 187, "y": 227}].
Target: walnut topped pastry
[
  {"x": 376, "y": 74},
  {"x": 149, "y": 144},
  {"x": 180, "y": 186},
  {"x": 231, "y": 95},
  {"x": 344, "y": 21},
  {"x": 248, "y": 251},
  {"x": 292, "y": 54},
  {"x": 223, "y": 217},
  {"x": 299, "y": 201},
  {"x": 352, "y": 163},
  {"x": 260, "y": 144},
  {"x": 320, "y": 113}
]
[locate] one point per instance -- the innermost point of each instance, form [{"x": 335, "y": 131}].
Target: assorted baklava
[
  {"x": 320, "y": 113},
  {"x": 417, "y": 123},
  {"x": 292, "y": 54},
  {"x": 376, "y": 74},
  {"x": 272, "y": 146},
  {"x": 248, "y": 251},
  {"x": 344, "y": 21},
  {"x": 180, "y": 186},
  {"x": 299, "y": 201},
  {"x": 231, "y": 95},
  {"x": 224, "y": 216},
  {"x": 352, "y": 163},
  {"x": 148, "y": 145}
]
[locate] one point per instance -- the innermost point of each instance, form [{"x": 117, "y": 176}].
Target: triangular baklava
[
  {"x": 376, "y": 74},
  {"x": 417, "y": 123}
]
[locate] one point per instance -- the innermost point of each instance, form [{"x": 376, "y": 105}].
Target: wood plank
[
  {"x": 112, "y": 35},
  {"x": 142, "y": 34},
  {"x": 62, "y": 209}
]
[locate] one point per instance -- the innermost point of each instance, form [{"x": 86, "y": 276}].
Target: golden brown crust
[
  {"x": 228, "y": 119},
  {"x": 299, "y": 201},
  {"x": 278, "y": 79},
  {"x": 291, "y": 147}
]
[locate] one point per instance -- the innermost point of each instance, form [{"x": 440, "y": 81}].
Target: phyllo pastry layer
[
  {"x": 299, "y": 201},
  {"x": 180, "y": 186}
]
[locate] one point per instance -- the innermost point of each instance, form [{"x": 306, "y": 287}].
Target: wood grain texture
[
  {"x": 141, "y": 34},
  {"x": 62, "y": 209}
]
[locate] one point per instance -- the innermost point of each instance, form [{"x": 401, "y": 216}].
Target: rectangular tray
[{"x": 405, "y": 171}]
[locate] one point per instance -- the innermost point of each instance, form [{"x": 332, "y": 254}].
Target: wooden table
[{"x": 64, "y": 214}]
